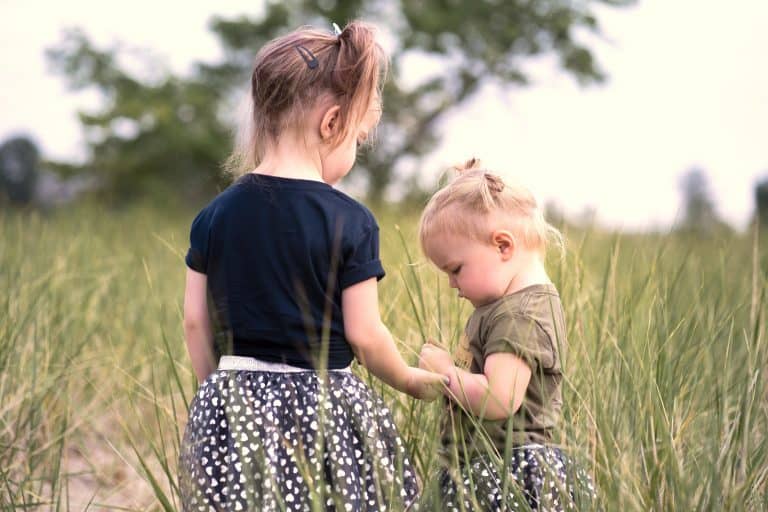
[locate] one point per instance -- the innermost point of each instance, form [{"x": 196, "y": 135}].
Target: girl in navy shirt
[{"x": 284, "y": 269}]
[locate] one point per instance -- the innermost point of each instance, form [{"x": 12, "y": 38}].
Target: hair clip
[
  {"x": 336, "y": 30},
  {"x": 308, "y": 56}
]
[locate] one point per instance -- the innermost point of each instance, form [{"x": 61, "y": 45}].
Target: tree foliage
[
  {"x": 761, "y": 202},
  {"x": 165, "y": 131},
  {"x": 700, "y": 215},
  {"x": 19, "y": 169},
  {"x": 174, "y": 128}
]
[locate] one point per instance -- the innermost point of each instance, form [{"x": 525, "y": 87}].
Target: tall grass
[{"x": 665, "y": 390}]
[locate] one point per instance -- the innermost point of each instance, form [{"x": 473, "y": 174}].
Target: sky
[{"x": 687, "y": 87}]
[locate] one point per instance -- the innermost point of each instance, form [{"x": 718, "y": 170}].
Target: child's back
[
  {"x": 278, "y": 252},
  {"x": 291, "y": 267}
]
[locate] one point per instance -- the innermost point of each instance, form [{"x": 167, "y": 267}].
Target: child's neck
[
  {"x": 530, "y": 270},
  {"x": 290, "y": 160}
]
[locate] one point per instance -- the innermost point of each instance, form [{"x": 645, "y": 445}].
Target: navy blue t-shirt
[{"x": 277, "y": 253}]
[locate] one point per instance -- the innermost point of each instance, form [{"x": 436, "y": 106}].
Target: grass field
[{"x": 665, "y": 394}]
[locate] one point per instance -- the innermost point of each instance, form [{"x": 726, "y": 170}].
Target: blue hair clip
[
  {"x": 308, "y": 56},
  {"x": 336, "y": 30}
]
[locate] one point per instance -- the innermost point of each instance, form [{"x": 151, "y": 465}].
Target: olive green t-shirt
[{"x": 530, "y": 324}]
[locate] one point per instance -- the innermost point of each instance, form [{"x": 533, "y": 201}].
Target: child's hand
[
  {"x": 425, "y": 385},
  {"x": 435, "y": 359}
]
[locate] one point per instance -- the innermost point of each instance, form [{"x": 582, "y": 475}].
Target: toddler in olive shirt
[{"x": 504, "y": 395}]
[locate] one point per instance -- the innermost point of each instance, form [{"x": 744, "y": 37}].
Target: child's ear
[
  {"x": 329, "y": 123},
  {"x": 504, "y": 242}
]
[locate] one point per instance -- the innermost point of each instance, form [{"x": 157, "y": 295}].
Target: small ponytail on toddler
[{"x": 488, "y": 187}]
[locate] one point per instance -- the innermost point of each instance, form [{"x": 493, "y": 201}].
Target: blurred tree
[
  {"x": 173, "y": 129},
  {"x": 699, "y": 213},
  {"x": 162, "y": 130},
  {"x": 19, "y": 169},
  {"x": 761, "y": 203}
]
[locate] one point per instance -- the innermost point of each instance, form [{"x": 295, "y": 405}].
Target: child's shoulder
[
  {"x": 221, "y": 200},
  {"x": 537, "y": 305},
  {"x": 355, "y": 206},
  {"x": 529, "y": 301}
]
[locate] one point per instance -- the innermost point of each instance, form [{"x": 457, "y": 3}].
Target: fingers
[
  {"x": 429, "y": 364},
  {"x": 436, "y": 379},
  {"x": 424, "y": 357},
  {"x": 426, "y": 384},
  {"x": 429, "y": 347},
  {"x": 433, "y": 390},
  {"x": 434, "y": 358},
  {"x": 439, "y": 378},
  {"x": 428, "y": 350},
  {"x": 431, "y": 342},
  {"x": 423, "y": 360}
]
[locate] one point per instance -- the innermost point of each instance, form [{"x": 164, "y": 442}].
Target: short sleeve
[
  {"x": 520, "y": 335},
  {"x": 199, "y": 234},
  {"x": 361, "y": 259}
]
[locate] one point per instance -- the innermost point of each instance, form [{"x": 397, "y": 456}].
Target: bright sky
[{"x": 688, "y": 86}]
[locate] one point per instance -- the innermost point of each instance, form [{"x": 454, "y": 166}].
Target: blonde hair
[
  {"x": 293, "y": 72},
  {"x": 477, "y": 202}
]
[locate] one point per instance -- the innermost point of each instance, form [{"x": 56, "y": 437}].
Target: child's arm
[
  {"x": 495, "y": 394},
  {"x": 374, "y": 347},
  {"x": 197, "y": 325}
]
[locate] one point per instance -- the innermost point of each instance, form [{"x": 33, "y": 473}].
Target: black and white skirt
[
  {"x": 264, "y": 436},
  {"x": 538, "y": 477}
]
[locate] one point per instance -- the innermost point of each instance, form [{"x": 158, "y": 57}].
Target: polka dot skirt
[
  {"x": 262, "y": 440},
  {"x": 540, "y": 478}
]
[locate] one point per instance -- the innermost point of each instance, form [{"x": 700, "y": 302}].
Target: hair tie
[
  {"x": 495, "y": 184},
  {"x": 336, "y": 30}
]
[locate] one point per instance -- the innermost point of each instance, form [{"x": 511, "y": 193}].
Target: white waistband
[
  {"x": 257, "y": 365},
  {"x": 529, "y": 446}
]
